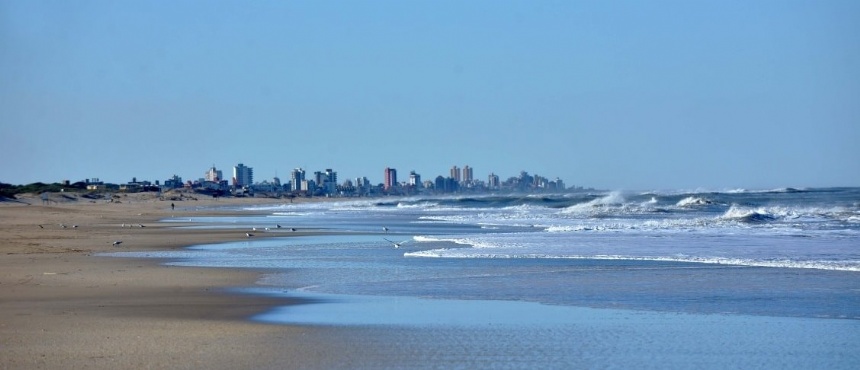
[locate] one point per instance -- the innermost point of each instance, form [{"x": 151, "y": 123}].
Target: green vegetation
[{"x": 10, "y": 191}]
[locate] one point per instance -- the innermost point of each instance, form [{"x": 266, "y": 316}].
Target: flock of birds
[
  {"x": 115, "y": 243},
  {"x": 267, "y": 229},
  {"x": 384, "y": 229}
]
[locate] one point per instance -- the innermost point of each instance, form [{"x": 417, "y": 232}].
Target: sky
[{"x": 608, "y": 94}]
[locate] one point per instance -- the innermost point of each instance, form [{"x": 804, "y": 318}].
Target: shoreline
[{"x": 62, "y": 306}]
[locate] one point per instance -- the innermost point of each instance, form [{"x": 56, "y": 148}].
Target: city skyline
[{"x": 326, "y": 182}]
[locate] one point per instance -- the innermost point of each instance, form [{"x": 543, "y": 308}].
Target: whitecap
[{"x": 693, "y": 201}]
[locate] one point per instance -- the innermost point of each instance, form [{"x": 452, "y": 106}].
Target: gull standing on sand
[
  {"x": 249, "y": 235},
  {"x": 385, "y": 229},
  {"x": 397, "y": 244},
  {"x": 118, "y": 242}
]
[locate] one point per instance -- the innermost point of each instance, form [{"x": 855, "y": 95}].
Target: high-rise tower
[
  {"x": 414, "y": 179},
  {"x": 242, "y": 175},
  {"x": 213, "y": 174},
  {"x": 296, "y": 178},
  {"x": 390, "y": 178},
  {"x": 467, "y": 174}
]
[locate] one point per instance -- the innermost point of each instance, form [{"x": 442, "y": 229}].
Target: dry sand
[{"x": 62, "y": 307}]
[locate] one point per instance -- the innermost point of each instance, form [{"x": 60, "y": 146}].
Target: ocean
[{"x": 669, "y": 279}]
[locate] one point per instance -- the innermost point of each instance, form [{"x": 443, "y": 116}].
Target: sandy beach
[{"x": 61, "y": 306}]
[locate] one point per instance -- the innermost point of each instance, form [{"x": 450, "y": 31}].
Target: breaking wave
[
  {"x": 693, "y": 201},
  {"x": 781, "y": 263},
  {"x": 748, "y": 215}
]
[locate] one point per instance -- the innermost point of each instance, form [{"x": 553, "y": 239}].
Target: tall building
[
  {"x": 467, "y": 174},
  {"x": 173, "y": 182},
  {"x": 296, "y": 177},
  {"x": 326, "y": 180},
  {"x": 414, "y": 179},
  {"x": 493, "y": 181},
  {"x": 362, "y": 185},
  {"x": 390, "y": 178},
  {"x": 455, "y": 173},
  {"x": 242, "y": 175},
  {"x": 213, "y": 175},
  {"x": 331, "y": 176}
]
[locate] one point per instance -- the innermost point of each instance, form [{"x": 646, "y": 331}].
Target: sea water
[{"x": 686, "y": 279}]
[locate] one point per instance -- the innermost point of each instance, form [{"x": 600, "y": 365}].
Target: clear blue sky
[{"x": 611, "y": 94}]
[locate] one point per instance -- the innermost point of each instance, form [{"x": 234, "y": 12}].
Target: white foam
[
  {"x": 614, "y": 198},
  {"x": 420, "y": 205},
  {"x": 693, "y": 201},
  {"x": 782, "y": 263}
]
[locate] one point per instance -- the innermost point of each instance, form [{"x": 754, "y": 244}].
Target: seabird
[
  {"x": 41, "y": 227},
  {"x": 396, "y": 244},
  {"x": 118, "y": 242},
  {"x": 278, "y": 226},
  {"x": 141, "y": 225},
  {"x": 249, "y": 235},
  {"x": 292, "y": 229},
  {"x": 384, "y": 229}
]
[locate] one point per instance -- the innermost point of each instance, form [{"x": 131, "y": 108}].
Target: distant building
[
  {"x": 440, "y": 184},
  {"x": 326, "y": 181},
  {"x": 134, "y": 186},
  {"x": 455, "y": 173},
  {"x": 213, "y": 175},
  {"x": 297, "y": 176},
  {"x": 363, "y": 187},
  {"x": 242, "y": 175},
  {"x": 493, "y": 182},
  {"x": 467, "y": 174},
  {"x": 390, "y": 178},
  {"x": 452, "y": 185},
  {"x": 308, "y": 186},
  {"x": 414, "y": 179},
  {"x": 414, "y": 184}
]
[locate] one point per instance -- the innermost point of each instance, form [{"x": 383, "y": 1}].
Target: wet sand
[{"x": 61, "y": 306}]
